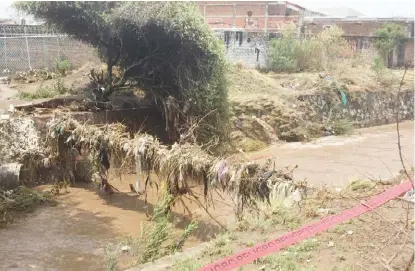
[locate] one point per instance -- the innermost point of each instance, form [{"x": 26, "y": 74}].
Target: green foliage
[
  {"x": 318, "y": 53},
  {"x": 20, "y": 200},
  {"x": 164, "y": 47},
  {"x": 58, "y": 88},
  {"x": 282, "y": 55},
  {"x": 342, "y": 127},
  {"x": 63, "y": 66},
  {"x": 110, "y": 259},
  {"x": 389, "y": 36},
  {"x": 282, "y": 51},
  {"x": 378, "y": 65},
  {"x": 156, "y": 240}
]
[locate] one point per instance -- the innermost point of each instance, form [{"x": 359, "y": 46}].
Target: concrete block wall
[
  {"x": 364, "y": 109},
  {"x": 250, "y": 49}
]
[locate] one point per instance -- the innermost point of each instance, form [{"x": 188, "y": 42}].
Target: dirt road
[{"x": 370, "y": 153}]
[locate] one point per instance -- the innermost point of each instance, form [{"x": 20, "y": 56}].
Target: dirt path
[
  {"x": 73, "y": 235},
  {"x": 370, "y": 153}
]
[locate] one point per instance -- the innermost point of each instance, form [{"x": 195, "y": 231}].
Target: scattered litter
[
  {"x": 330, "y": 244},
  {"x": 349, "y": 232}
]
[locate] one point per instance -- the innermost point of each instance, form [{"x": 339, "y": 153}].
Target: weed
[
  {"x": 187, "y": 264},
  {"x": 41, "y": 93},
  {"x": 251, "y": 145},
  {"x": 152, "y": 244},
  {"x": 110, "y": 259},
  {"x": 270, "y": 216},
  {"x": 291, "y": 258},
  {"x": 57, "y": 187},
  {"x": 58, "y": 88},
  {"x": 378, "y": 66},
  {"x": 157, "y": 233},
  {"x": 63, "y": 66},
  {"x": 360, "y": 185},
  {"x": 21, "y": 200},
  {"x": 342, "y": 127}
]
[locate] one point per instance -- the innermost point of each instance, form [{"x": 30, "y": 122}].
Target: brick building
[
  {"x": 253, "y": 15},
  {"x": 361, "y": 34},
  {"x": 247, "y": 26}
]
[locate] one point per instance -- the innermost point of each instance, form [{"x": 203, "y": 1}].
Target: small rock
[
  {"x": 323, "y": 211},
  {"x": 349, "y": 232},
  {"x": 125, "y": 249},
  {"x": 330, "y": 244}
]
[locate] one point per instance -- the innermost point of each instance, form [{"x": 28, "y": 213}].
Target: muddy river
[{"x": 73, "y": 235}]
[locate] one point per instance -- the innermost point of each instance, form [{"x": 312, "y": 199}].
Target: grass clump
[
  {"x": 187, "y": 264},
  {"x": 58, "y": 88},
  {"x": 63, "y": 66},
  {"x": 110, "y": 259},
  {"x": 156, "y": 239},
  {"x": 251, "y": 145},
  {"x": 270, "y": 216},
  {"x": 360, "y": 185},
  {"x": 342, "y": 127},
  {"x": 292, "y": 258},
  {"x": 19, "y": 201}
]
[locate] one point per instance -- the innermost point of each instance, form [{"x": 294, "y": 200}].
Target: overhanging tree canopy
[{"x": 164, "y": 47}]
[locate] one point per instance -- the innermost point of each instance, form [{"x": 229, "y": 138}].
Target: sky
[{"x": 371, "y": 8}]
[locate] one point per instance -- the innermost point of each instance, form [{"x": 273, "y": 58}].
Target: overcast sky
[{"x": 372, "y": 8}]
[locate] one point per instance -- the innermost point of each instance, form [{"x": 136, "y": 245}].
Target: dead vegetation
[{"x": 181, "y": 166}]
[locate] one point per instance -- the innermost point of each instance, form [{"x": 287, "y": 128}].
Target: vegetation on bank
[
  {"x": 165, "y": 48},
  {"x": 21, "y": 201}
]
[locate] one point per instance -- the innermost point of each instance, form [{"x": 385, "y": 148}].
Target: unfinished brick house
[
  {"x": 246, "y": 26},
  {"x": 253, "y": 15}
]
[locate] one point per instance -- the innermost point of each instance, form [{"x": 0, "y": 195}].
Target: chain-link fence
[{"x": 33, "y": 47}]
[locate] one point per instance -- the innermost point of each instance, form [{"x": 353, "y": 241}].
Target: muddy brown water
[{"x": 72, "y": 235}]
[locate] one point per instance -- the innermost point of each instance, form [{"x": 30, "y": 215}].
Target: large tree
[{"x": 164, "y": 47}]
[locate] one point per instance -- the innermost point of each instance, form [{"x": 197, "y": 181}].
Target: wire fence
[{"x": 41, "y": 51}]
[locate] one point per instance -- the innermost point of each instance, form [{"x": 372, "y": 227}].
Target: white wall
[{"x": 249, "y": 49}]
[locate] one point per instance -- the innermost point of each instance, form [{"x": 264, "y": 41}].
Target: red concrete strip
[{"x": 249, "y": 255}]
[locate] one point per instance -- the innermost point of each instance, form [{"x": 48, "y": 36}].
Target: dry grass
[{"x": 247, "y": 84}]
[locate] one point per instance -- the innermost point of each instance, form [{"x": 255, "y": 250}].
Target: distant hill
[{"x": 341, "y": 12}]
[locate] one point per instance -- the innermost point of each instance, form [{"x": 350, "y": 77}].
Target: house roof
[{"x": 341, "y": 12}]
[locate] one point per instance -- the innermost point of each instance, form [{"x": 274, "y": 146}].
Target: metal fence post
[
  {"x": 45, "y": 54},
  {"x": 5, "y": 49},
  {"x": 27, "y": 48},
  {"x": 59, "y": 49}
]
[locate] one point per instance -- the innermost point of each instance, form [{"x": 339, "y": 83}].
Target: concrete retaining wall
[{"x": 364, "y": 109}]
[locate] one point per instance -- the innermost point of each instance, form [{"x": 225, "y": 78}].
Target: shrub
[
  {"x": 389, "y": 36},
  {"x": 318, "y": 53},
  {"x": 63, "y": 66},
  {"x": 281, "y": 51}
]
